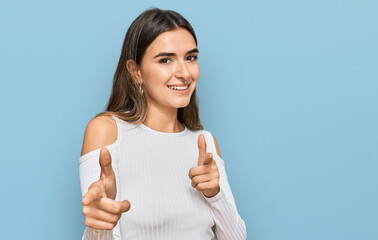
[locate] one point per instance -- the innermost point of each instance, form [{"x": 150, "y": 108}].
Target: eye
[
  {"x": 164, "y": 60},
  {"x": 192, "y": 58}
]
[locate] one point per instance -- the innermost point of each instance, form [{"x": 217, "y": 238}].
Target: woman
[{"x": 148, "y": 158}]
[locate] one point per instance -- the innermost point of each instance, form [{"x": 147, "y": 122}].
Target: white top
[{"x": 152, "y": 173}]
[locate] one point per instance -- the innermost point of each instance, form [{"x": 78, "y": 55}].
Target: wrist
[
  {"x": 214, "y": 198},
  {"x": 211, "y": 194}
]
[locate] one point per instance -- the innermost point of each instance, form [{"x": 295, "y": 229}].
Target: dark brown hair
[{"x": 126, "y": 100}]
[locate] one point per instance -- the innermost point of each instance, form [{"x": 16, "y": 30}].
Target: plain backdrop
[{"x": 288, "y": 88}]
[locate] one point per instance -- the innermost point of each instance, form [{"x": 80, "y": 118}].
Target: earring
[{"x": 140, "y": 88}]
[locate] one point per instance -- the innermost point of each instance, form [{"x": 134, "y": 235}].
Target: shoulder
[
  {"x": 100, "y": 131},
  {"x": 216, "y": 147}
]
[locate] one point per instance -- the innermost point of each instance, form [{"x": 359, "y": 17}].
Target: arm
[
  {"x": 229, "y": 224},
  {"x": 101, "y": 132},
  {"x": 90, "y": 171},
  {"x": 94, "y": 234}
]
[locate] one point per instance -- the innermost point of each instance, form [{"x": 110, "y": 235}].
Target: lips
[{"x": 180, "y": 87}]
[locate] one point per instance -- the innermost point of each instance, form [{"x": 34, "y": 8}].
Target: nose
[{"x": 182, "y": 71}]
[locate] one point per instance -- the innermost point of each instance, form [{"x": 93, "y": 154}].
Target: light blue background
[{"x": 288, "y": 88}]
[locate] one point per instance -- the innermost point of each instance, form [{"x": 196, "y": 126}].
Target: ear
[{"x": 134, "y": 71}]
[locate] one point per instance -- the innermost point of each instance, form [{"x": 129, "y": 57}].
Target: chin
[{"x": 182, "y": 104}]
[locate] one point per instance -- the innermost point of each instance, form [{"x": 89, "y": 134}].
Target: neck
[{"x": 163, "y": 119}]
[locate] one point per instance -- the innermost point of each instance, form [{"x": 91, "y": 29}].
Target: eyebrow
[{"x": 195, "y": 50}]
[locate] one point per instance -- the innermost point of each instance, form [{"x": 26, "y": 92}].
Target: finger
[
  {"x": 208, "y": 159},
  {"x": 106, "y": 163},
  {"x": 199, "y": 170},
  {"x": 205, "y": 185},
  {"x": 98, "y": 224},
  {"x": 95, "y": 192},
  {"x": 112, "y": 206},
  {"x": 200, "y": 179},
  {"x": 201, "y": 149},
  {"x": 92, "y": 212},
  {"x": 125, "y": 206},
  {"x": 202, "y": 169}
]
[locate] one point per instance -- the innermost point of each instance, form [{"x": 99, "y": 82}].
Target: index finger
[{"x": 201, "y": 149}]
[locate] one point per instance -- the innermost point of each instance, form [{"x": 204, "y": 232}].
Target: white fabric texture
[{"x": 152, "y": 173}]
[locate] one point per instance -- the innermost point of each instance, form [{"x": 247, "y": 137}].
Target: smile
[{"x": 179, "y": 89}]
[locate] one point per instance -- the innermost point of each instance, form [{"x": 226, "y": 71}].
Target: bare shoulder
[
  {"x": 100, "y": 132},
  {"x": 216, "y": 147}
]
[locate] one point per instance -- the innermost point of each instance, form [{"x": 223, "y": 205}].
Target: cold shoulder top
[{"x": 152, "y": 173}]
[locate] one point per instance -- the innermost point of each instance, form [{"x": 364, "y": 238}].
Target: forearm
[
  {"x": 89, "y": 172},
  {"x": 97, "y": 234},
  {"x": 229, "y": 224}
]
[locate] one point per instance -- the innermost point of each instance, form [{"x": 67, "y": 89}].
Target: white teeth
[{"x": 178, "y": 87}]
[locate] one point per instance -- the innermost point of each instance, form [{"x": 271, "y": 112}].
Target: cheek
[
  {"x": 156, "y": 75},
  {"x": 194, "y": 71}
]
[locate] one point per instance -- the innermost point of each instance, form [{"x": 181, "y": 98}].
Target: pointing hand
[
  {"x": 205, "y": 176},
  {"x": 100, "y": 209}
]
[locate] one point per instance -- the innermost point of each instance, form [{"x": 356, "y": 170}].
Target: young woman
[{"x": 147, "y": 158}]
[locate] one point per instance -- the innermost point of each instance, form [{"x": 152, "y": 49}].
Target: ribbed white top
[{"x": 152, "y": 173}]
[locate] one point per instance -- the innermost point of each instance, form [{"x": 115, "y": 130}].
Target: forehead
[{"x": 175, "y": 41}]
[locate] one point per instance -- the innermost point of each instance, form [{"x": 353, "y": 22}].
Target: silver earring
[{"x": 140, "y": 88}]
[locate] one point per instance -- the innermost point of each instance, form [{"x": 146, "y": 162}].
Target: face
[{"x": 169, "y": 60}]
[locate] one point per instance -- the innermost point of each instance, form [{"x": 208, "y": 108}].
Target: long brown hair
[{"x": 126, "y": 100}]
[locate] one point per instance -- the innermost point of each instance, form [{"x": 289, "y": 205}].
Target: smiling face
[{"x": 168, "y": 61}]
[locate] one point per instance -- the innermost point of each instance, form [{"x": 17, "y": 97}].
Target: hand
[
  {"x": 100, "y": 209},
  {"x": 205, "y": 177}
]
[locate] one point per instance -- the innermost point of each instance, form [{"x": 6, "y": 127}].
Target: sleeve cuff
[
  {"x": 91, "y": 233},
  {"x": 214, "y": 198}
]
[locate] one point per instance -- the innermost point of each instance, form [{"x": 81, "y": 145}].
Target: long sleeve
[
  {"x": 97, "y": 234},
  {"x": 89, "y": 168},
  {"x": 229, "y": 224}
]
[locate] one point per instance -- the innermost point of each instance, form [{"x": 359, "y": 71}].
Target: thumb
[
  {"x": 106, "y": 163},
  {"x": 125, "y": 206},
  {"x": 208, "y": 159},
  {"x": 95, "y": 192},
  {"x": 201, "y": 149}
]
